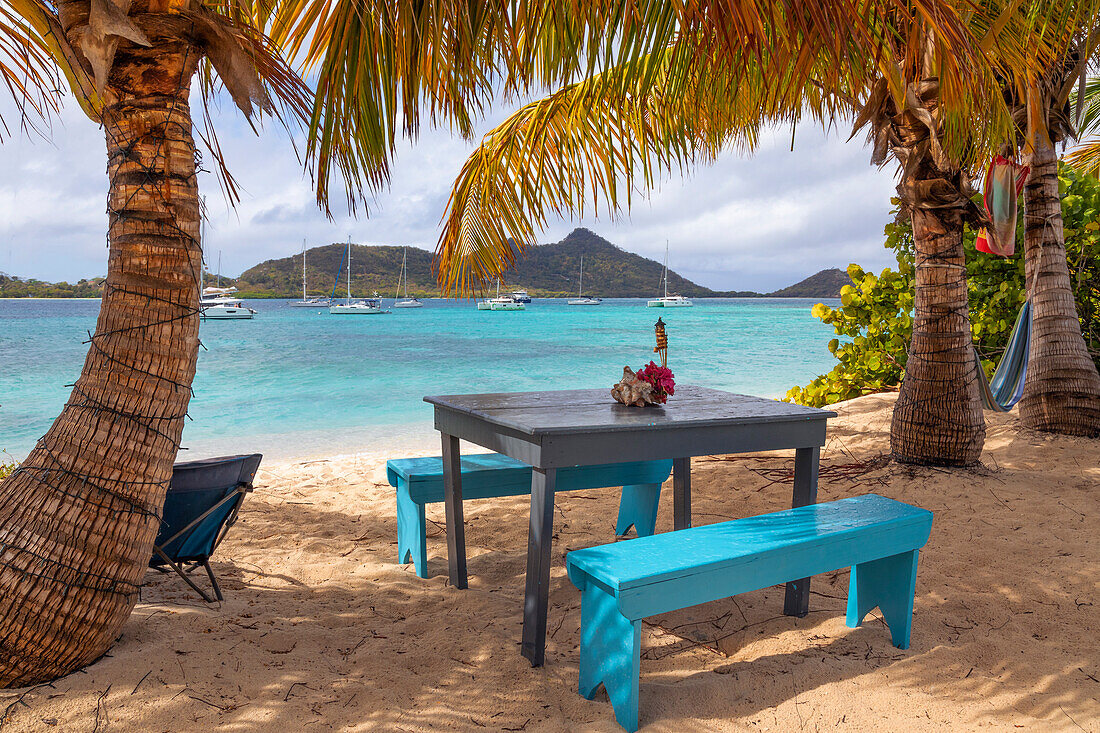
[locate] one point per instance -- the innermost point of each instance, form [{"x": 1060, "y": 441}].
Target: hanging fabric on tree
[
  {"x": 1004, "y": 390},
  {"x": 1004, "y": 180}
]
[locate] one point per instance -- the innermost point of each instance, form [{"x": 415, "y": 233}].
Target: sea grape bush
[
  {"x": 1080, "y": 214},
  {"x": 875, "y": 312}
]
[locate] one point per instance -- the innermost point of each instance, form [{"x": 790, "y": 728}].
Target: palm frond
[
  {"x": 254, "y": 73},
  {"x": 377, "y": 65},
  {"x": 1090, "y": 116},
  {"x": 383, "y": 66},
  {"x": 27, "y": 67},
  {"x": 1086, "y": 156}
]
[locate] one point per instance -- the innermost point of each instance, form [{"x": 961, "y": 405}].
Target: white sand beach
[{"x": 321, "y": 630}]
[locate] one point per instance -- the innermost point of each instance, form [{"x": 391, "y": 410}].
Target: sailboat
[
  {"x": 500, "y": 303},
  {"x": 307, "y": 302},
  {"x": 666, "y": 300},
  {"x": 219, "y": 304},
  {"x": 581, "y": 299},
  {"x": 406, "y": 302},
  {"x": 365, "y": 307}
]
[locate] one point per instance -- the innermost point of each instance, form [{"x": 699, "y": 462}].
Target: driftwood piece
[{"x": 633, "y": 391}]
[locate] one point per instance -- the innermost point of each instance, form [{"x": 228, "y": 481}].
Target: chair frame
[{"x": 236, "y": 495}]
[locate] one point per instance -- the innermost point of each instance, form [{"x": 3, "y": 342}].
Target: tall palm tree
[
  {"x": 78, "y": 517},
  {"x": 1062, "y": 387},
  {"x": 937, "y": 418},
  {"x": 920, "y": 94}
]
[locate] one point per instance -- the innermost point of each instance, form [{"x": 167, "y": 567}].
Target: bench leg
[
  {"x": 611, "y": 648},
  {"x": 890, "y": 584},
  {"x": 638, "y": 507},
  {"x": 412, "y": 542}
]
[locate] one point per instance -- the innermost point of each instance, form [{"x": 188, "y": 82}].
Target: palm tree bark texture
[
  {"x": 937, "y": 419},
  {"x": 1062, "y": 387},
  {"x": 78, "y": 517}
]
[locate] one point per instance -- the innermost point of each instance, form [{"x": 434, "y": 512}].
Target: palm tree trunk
[
  {"x": 938, "y": 416},
  {"x": 78, "y": 517},
  {"x": 1062, "y": 388}
]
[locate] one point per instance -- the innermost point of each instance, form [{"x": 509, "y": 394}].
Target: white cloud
[{"x": 742, "y": 223}]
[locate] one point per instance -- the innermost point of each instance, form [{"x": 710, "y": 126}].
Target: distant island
[
  {"x": 15, "y": 287},
  {"x": 545, "y": 270}
]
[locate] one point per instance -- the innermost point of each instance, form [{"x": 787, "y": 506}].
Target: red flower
[{"x": 660, "y": 377}]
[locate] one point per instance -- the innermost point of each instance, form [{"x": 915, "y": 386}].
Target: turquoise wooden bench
[
  {"x": 622, "y": 583},
  {"x": 419, "y": 481}
]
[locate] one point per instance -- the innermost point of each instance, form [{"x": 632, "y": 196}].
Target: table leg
[
  {"x": 806, "y": 460},
  {"x": 452, "y": 500},
  {"x": 536, "y": 598},
  {"x": 681, "y": 493}
]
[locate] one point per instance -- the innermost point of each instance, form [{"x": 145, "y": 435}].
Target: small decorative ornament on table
[{"x": 650, "y": 385}]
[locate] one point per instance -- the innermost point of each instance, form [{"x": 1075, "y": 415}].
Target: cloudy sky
[{"x": 743, "y": 223}]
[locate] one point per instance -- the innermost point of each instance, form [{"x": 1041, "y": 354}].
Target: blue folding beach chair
[{"x": 200, "y": 507}]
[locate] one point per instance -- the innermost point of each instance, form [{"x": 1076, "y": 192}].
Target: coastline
[{"x": 299, "y": 383}]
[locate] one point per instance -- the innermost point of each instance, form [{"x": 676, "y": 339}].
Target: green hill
[
  {"x": 372, "y": 268},
  {"x": 609, "y": 272},
  {"x": 824, "y": 284},
  {"x": 544, "y": 270}
]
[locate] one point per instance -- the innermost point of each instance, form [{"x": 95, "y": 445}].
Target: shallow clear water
[{"x": 297, "y": 382}]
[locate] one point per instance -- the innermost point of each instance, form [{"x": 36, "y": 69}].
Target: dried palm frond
[{"x": 27, "y": 68}]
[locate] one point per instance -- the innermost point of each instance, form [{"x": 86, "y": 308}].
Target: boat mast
[
  {"x": 349, "y": 269},
  {"x": 404, "y": 272},
  {"x": 580, "y": 281},
  {"x": 303, "y": 268},
  {"x": 202, "y": 245},
  {"x": 666, "y": 267},
  {"x": 219, "y": 268}
]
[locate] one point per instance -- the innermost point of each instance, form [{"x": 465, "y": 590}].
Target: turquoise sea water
[{"x": 298, "y": 382}]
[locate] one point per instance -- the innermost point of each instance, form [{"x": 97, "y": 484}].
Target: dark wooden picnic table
[{"x": 556, "y": 429}]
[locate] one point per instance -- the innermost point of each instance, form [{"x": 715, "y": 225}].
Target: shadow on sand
[{"x": 321, "y": 630}]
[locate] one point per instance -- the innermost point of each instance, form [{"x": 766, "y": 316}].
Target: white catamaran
[
  {"x": 405, "y": 302},
  {"x": 666, "y": 300},
  {"x": 364, "y": 307},
  {"x": 500, "y": 303},
  {"x": 581, "y": 299},
  {"x": 306, "y": 301},
  {"x": 219, "y": 304}
]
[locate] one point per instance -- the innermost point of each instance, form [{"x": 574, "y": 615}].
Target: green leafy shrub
[
  {"x": 875, "y": 312},
  {"x": 1080, "y": 211}
]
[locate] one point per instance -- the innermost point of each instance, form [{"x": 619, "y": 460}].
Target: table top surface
[{"x": 594, "y": 410}]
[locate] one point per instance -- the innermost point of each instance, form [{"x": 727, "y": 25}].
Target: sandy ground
[{"x": 321, "y": 630}]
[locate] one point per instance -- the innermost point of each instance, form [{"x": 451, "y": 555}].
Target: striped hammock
[{"x": 1001, "y": 393}]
